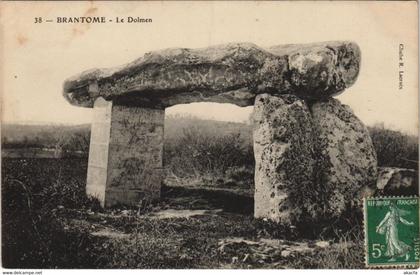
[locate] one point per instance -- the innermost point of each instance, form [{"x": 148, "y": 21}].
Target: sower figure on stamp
[{"x": 389, "y": 227}]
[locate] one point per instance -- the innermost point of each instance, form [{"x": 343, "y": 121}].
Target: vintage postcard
[{"x": 209, "y": 135}]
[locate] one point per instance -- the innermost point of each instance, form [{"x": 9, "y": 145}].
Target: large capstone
[
  {"x": 232, "y": 73},
  {"x": 346, "y": 159},
  {"x": 283, "y": 158}
]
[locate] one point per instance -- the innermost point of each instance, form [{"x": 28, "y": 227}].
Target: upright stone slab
[
  {"x": 347, "y": 166},
  {"x": 125, "y": 158},
  {"x": 283, "y": 158},
  {"x": 98, "y": 149}
]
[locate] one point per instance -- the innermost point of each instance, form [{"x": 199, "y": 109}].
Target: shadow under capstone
[{"x": 227, "y": 200}]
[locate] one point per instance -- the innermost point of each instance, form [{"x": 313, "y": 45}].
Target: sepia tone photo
[{"x": 209, "y": 135}]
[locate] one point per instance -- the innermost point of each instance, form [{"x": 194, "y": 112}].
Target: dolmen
[{"x": 314, "y": 159}]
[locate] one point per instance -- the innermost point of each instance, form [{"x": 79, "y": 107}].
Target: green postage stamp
[{"x": 392, "y": 231}]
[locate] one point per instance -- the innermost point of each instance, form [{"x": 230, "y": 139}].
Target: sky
[{"x": 37, "y": 58}]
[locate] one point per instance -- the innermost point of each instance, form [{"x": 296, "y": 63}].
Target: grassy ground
[{"x": 48, "y": 222}]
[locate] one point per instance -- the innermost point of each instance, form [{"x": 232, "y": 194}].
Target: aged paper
[{"x": 216, "y": 99}]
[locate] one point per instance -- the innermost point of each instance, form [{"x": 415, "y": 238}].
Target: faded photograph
[{"x": 205, "y": 135}]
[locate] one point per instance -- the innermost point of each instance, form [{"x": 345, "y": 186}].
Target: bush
[
  {"x": 394, "y": 149},
  {"x": 205, "y": 151}
]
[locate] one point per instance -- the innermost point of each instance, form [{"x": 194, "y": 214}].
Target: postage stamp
[{"x": 392, "y": 231}]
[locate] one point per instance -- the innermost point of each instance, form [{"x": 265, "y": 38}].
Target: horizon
[{"x": 187, "y": 115}]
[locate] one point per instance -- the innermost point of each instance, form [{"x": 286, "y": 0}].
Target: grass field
[{"x": 48, "y": 222}]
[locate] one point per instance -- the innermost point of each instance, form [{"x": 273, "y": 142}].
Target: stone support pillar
[
  {"x": 283, "y": 157},
  {"x": 125, "y": 157}
]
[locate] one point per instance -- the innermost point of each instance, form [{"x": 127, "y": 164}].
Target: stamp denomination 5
[{"x": 392, "y": 231}]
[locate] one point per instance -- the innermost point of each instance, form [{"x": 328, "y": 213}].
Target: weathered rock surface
[
  {"x": 232, "y": 73},
  {"x": 394, "y": 181},
  {"x": 125, "y": 157},
  {"x": 283, "y": 157},
  {"x": 346, "y": 158}
]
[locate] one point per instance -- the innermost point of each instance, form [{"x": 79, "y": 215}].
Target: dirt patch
[
  {"x": 110, "y": 233},
  {"x": 174, "y": 213}
]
